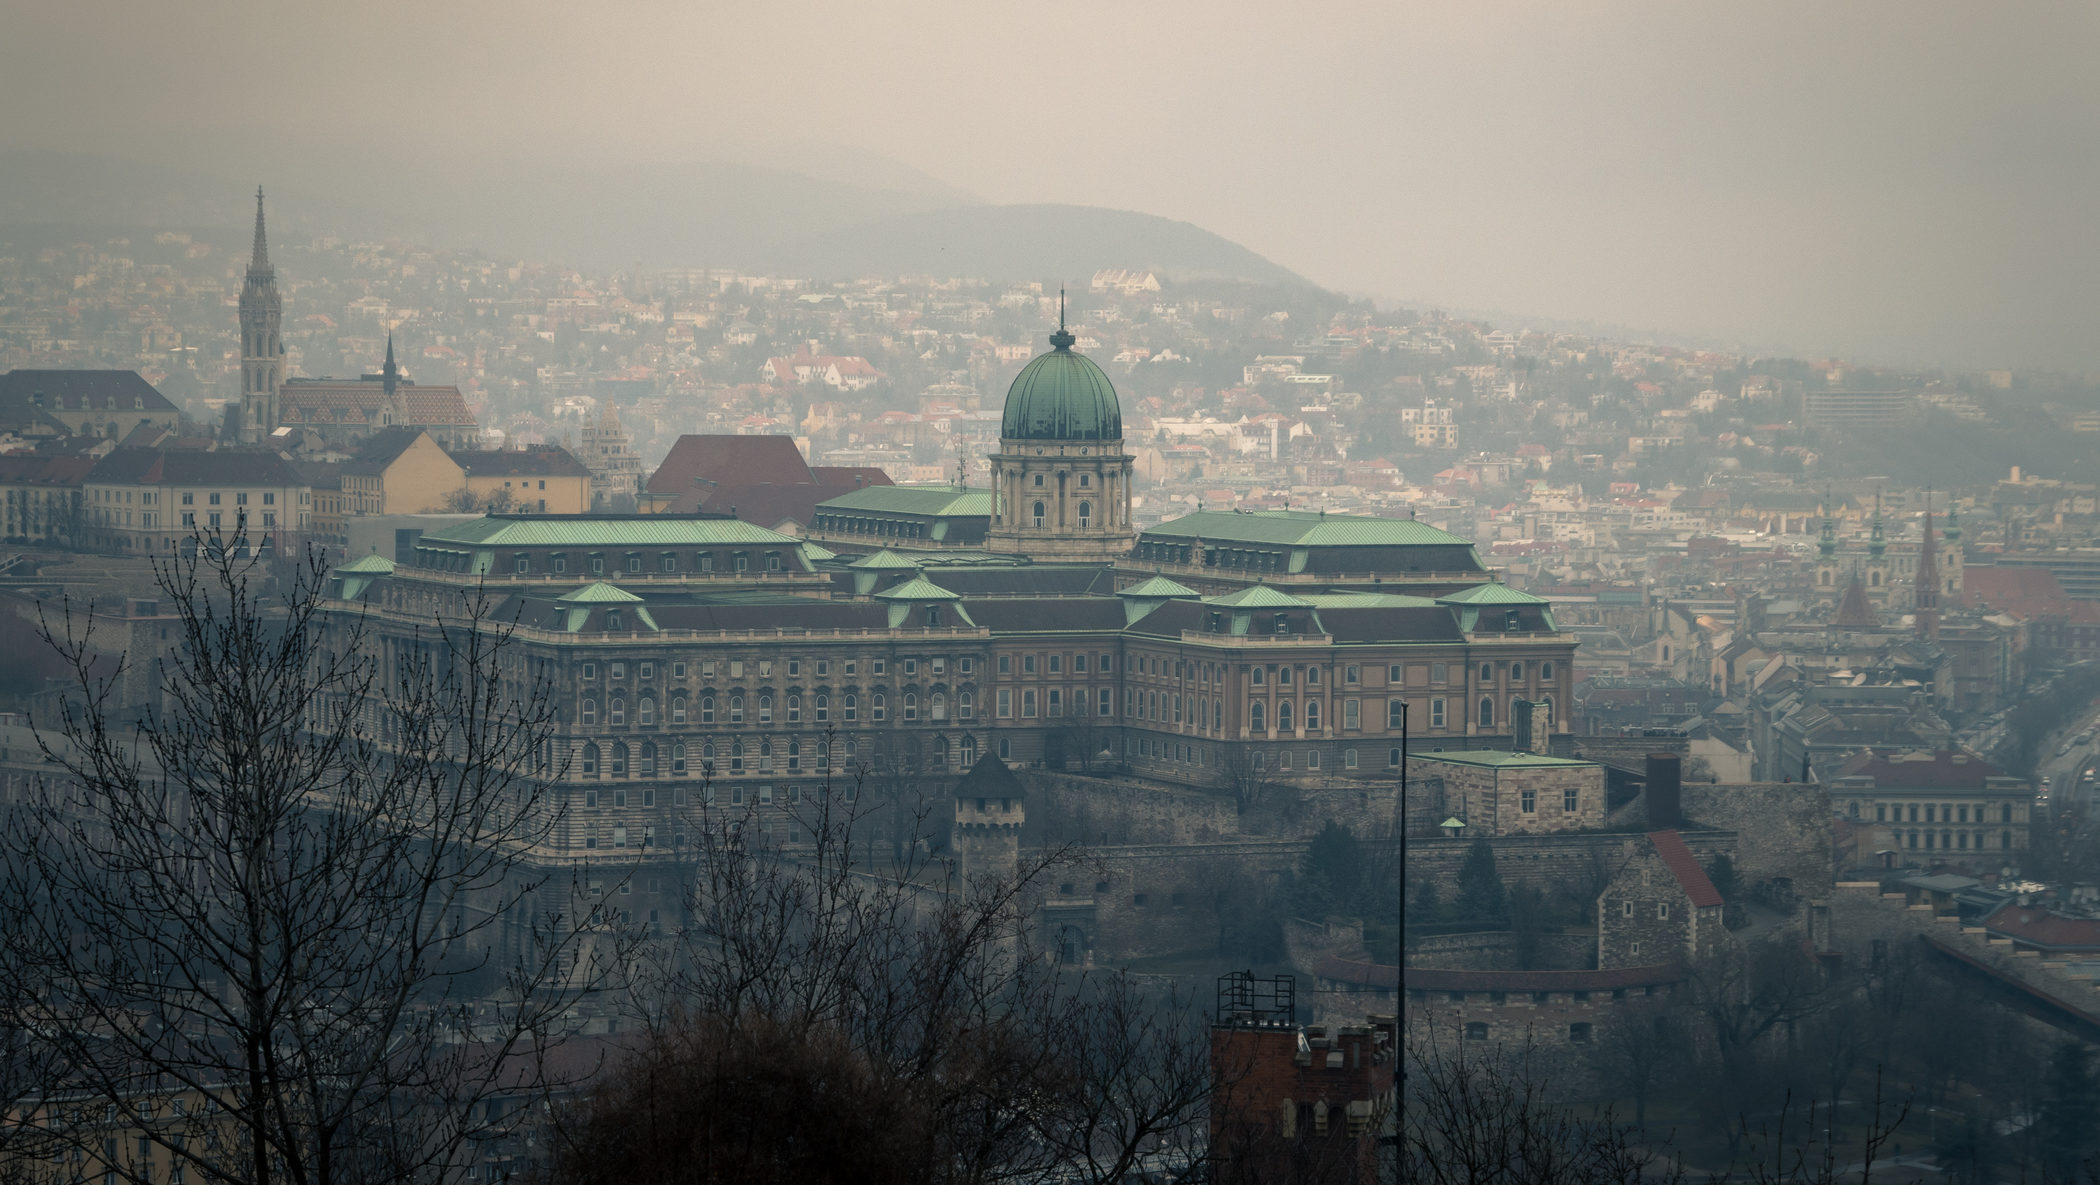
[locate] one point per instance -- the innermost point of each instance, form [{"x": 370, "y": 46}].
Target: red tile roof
[
  {"x": 2031, "y": 925},
  {"x": 1942, "y": 769},
  {"x": 1685, "y": 867}
]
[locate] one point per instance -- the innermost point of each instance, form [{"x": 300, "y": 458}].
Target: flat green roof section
[
  {"x": 1499, "y": 759},
  {"x": 1491, "y": 594},
  {"x": 583, "y": 530},
  {"x": 1303, "y": 528},
  {"x": 929, "y": 501}
]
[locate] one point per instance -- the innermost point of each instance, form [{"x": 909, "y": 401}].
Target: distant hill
[
  {"x": 708, "y": 213},
  {"x": 1023, "y": 242},
  {"x": 673, "y": 215}
]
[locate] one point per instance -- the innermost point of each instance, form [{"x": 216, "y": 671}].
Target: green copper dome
[{"x": 1062, "y": 396}]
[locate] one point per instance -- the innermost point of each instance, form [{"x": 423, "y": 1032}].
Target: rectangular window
[
  {"x": 1530, "y": 801},
  {"x": 1057, "y": 664},
  {"x": 1028, "y": 664},
  {"x": 1028, "y": 702},
  {"x": 1350, "y": 675},
  {"x": 1395, "y": 712},
  {"x": 1436, "y": 713},
  {"x": 1006, "y": 702},
  {"x": 1570, "y": 801},
  {"x": 1438, "y": 673},
  {"x": 1006, "y": 664},
  {"x": 1108, "y": 703},
  {"x": 1351, "y": 714}
]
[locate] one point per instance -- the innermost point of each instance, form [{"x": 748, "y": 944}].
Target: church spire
[
  {"x": 1925, "y": 586},
  {"x": 259, "y": 259},
  {"x": 1876, "y": 543},
  {"x": 1827, "y": 540},
  {"x": 389, "y": 374}
]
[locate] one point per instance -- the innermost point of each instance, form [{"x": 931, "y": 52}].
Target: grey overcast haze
[{"x": 1898, "y": 182}]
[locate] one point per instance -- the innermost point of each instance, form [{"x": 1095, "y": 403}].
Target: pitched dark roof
[
  {"x": 381, "y": 449},
  {"x": 193, "y": 467},
  {"x": 33, "y": 469},
  {"x": 2031, "y": 925},
  {"x": 990, "y": 778},
  {"x": 545, "y": 461},
  {"x": 76, "y": 390},
  {"x": 1021, "y": 615}
]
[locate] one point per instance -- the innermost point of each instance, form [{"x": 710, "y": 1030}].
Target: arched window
[
  {"x": 736, "y": 709},
  {"x": 1283, "y": 715},
  {"x": 1487, "y": 712},
  {"x": 1037, "y": 512},
  {"x": 1255, "y": 716},
  {"x": 590, "y": 759},
  {"x": 619, "y": 759},
  {"x": 1487, "y": 671},
  {"x": 1086, "y": 515},
  {"x": 678, "y": 709},
  {"x": 794, "y": 755},
  {"x": 1039, "y": 485},
  {"x": 707, "y": 757},
  {"x": 965, "y": 706},
  {"x": 616, "y": 711},
  {"x": 648, "y": 759},
  {"x": 937, "y": 706},
  {"x": 736, "y": 757},
  {"x": 707, "y": 709},
  {"x": 590, "y": 711},
  {"x": 911, "y": 705},
  {"x": 881, "y": 706},
  {"x": 1545, "y": 672},
  {"x": 1548, "y": 702},
  {"x": 765, "y": 756},
  {"x": 823, "y": 707},
  {"x": 678, "y": 758},
  {"x": 851, "y": 704},
  {"x": 967, "y": 752},
  {"x": 765, "y": 708},
  {"x": 1516, "y": 672},
  {"x": 645, "y": 711},
  {"x": 1259, "y": 675},
  {"x": 1312, "y": 715},
  {"x": 794, "y": 709}
]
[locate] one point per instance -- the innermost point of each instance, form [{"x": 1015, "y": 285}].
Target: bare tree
[
  {"x": 289, "y": 927},
  {"x": 922, "y": 986}
]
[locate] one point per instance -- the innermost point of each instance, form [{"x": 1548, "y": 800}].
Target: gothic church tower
[{"x": 262, "y": 340}]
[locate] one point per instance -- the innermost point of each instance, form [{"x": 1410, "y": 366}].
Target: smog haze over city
[{"x": 1074, "y": 594}]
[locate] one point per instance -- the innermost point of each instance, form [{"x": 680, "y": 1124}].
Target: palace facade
[{"x": 703, "y": 655}]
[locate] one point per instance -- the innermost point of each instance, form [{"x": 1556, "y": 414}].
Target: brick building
[
  {"x": 1947, "y": 802},
  {"x": 1299, "y": 1103}
]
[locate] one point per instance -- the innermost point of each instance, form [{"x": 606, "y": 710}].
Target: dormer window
[
  {"x": 615, "y": 620},
  {"x": 1283, "y": 623}
]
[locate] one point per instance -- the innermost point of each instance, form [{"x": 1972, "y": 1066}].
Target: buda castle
[{"x": 913, "y": 631}]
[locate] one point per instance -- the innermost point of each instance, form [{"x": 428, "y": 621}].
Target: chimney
[{"x": 1664, "y": 791}]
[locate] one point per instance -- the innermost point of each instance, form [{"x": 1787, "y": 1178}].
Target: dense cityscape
[{"x": 479, "y": 715}]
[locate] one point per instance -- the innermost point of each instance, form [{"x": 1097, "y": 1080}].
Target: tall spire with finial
[
  {"x": 1925, "y": 587},
  {"x": 389, "y": 373},
  {"x": 262, "y": 341},
  {"x": 1876, "y": 542},
  {"x": 1062, "y": 339},
  {"x": 259, "y": 258},
  {"x": 1827, "y": 540}
]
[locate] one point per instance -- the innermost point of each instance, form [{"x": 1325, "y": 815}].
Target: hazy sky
[{"x": 1884, "y": 180}]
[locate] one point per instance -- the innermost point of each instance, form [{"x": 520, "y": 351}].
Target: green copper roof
[
  {"x": 1453, "y": 821},
  {"x": 1303, "y": 528},
  {"x": 374, "y": 563},
  {"x": 1368, "y": 600},
  {"x": 1259, "y": 596},
  {"x": 881, "y": 561},
  {"x": 917, "y": 589},
  {"x": 1158, "y": 586},
  {"x": 1491, "y": 593},
  {"x": 1500, "y": 759},
  {"x": 817, "y": 552},
  {"x": 599, "y": 593},
  {"x": 617, "y": 530},
  {"x": 1061, "y": 396},
  {"x": 930, "y": 501}
]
